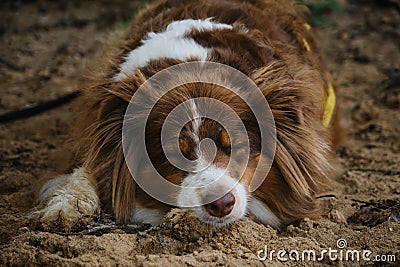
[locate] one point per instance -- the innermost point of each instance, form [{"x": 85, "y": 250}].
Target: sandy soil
[{"x": 44, "y": 48}]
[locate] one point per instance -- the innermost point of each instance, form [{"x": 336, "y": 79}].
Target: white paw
[{"x": 66, "y": 201}]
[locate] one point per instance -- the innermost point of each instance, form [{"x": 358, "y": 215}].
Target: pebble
[{"x": 193, "y": 236}]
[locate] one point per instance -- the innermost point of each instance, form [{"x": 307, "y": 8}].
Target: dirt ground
[{"x": 44, "y": 49}]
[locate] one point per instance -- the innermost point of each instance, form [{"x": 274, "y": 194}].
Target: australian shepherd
[{"x": 266, "y": 41}]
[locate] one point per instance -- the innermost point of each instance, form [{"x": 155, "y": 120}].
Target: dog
[{"x": 267, "y": 41}]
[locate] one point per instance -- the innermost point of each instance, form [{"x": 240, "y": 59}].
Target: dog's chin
[{"x": 218, "y": 222}]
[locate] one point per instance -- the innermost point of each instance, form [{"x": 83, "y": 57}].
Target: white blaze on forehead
[
  {"x": 170, "y": 43},
  {"x": 196, "y": 119}
]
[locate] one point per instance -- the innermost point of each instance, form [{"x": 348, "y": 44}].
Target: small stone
[
  {"x": 153, "y": 258},
  {"x": 23, "y": 230},
  {"x": 290, "y": 229},
  {"x": 240, "y": 253},
  {"x": 337, "y": 217},
  {"x": 140, "y": 259},
  {"x": 219, "y": 246},
  {"x": 306, "y": 224},
  {"x": 193, "y": 236}
]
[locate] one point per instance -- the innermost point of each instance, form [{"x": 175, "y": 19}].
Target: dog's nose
[{"x": 221, "y": 207}]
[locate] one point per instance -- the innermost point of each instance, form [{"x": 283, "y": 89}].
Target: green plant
[{"x": 320, "y": 9}]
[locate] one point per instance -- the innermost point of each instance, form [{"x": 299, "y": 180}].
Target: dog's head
[
  {"x": 204, "y": 138},
  {"x": 215, "y": 170}
]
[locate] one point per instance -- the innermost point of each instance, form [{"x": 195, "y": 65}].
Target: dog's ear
[
  {"x": 101, "y": 144},
  {"x": 106, "y": 162},
  {"x": 123, "y": 190},
  {"x": 302, "y": 144}
]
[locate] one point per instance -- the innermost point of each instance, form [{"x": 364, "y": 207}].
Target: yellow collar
[
  {"x": 329, "y": 94},
  {"x": 329, "y": 105}
]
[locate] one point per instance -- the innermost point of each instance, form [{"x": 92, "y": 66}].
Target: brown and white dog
[{"x": 266, "y": 40}]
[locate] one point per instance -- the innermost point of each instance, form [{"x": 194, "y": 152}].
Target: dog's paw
[{"x": 66, "y": 202}]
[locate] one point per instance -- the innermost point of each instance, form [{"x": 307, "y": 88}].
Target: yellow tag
[
  {"x": 329, "y": 105},
  {"x": 306, "y": 45},
  {"x": 307, "y": 26}
]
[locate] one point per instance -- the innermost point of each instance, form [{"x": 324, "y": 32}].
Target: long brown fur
[{"x": 272, "y": 53}]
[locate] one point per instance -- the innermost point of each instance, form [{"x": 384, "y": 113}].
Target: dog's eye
[
  {"x": 224, "y": 139},
  {"x": 184, "y": 146}
]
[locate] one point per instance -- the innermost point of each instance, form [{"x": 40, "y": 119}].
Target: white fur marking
[
  {"x": 192, "y": 195},
  {"x": 196, "y": 122},
  {"x": 150, "y": 216},
  {"x": 67, "y": 197},
  {"x": 263, "y": 213},
  {"x": 170, "y": 43}
]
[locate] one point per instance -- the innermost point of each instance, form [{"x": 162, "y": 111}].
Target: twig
[
  {"x": 37, "y": 108},
  {"x": 326, "y": 196},
  {"x": 360, "y": 201},
  {"x": 106, "y": 228}
]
